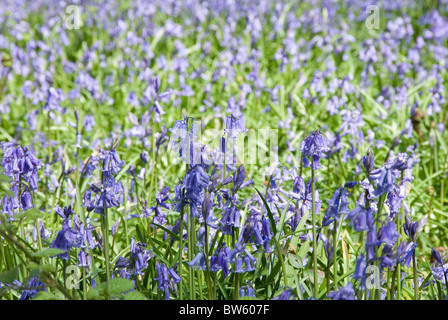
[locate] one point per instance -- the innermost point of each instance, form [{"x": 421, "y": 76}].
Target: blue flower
[
  {"x": 412, "y": 228},
  {"x": 388, "y": 233},
  {"x": 285, "y": 295},
  {"x": 247, "y": 291},
  {"x": 139, "y": 257},
  {"x": 405, "y": 252},
  {"x": 198, "y": 261},
  {"x": 314, "y": 147},
  {"x": 368, "y": 162},
  {"x": 436, "y": 255},
  {"x": 360, "y": 271},
  {"x": 361, "y": 218},
  {"x": 112, "y": 163},
  {"x": 33, "y": 287},
  {"x": 344, "y": 293},
  {"x": 161, "y": 198}
]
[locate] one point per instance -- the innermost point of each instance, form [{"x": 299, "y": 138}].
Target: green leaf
[
  {"x": 304, "y": 250},
  {"x": 295, "y": 261},
  {"x": 248, "y": 298},
  {"x": 32, "y": 213},
  {"x": 34, "y": 266},
  {"x": 139, "y": 234},
  {"x": 134, "y": 295},
  {"x": 112, "y": 288},
  {"x": 119, "y": 285},
  {"x": 10, "y": 275},
  {"x": 44, "y": 295},
  {"x": 47, "y": 253},
  {"x": 4, "y": 178},
  {"x": 10, "y": 193},
  {"x": 171, "y": 233}
]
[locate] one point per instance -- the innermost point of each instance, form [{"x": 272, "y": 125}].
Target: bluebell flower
[
  {"x": 195, "y": 183},
  {"x": 239, "y": 265},
  {"x": 33, "y": 287},
  {"x": 385, "y": 182},
  {"x": 388, "y": 234},
  {"x": 388, "y": 257},
  {"x": 230, "y": 219},
  {"x": 198, "y": 261},
  {"x": 65, "y": 213},
  {"x": 139, "y": 257},
  {"x": 333, "y": 204},
  {"x": 179, "y": 142},
  {"x": 163, "y": 279},
  {"x": 405, "y": 252},
  {"x": 360, "y": 271},
  {"x": 244, "y": 236},
  {"x": 344, "y": 293},
  {"x": 161, "y": 198},
  {"x": 84, "y": 259},
  {"x": 372, "y": 243},
  {"x": 285, "y": 295},
  {"x": 412, "y": 228},
  {"x": 361, "y": 218},
  {"x": 394, "y": 200},
  {"x": 306, "y": 196},
  {"x": 267, "y": 234},
  {"x": 368, "y": 162},
  {"x": 436, "y": 255},
  {"x": 62, "y": 243},
  {"x": 18, "y": 161},
  {"x": 440, "y": 273},
  {"x": 221, "y": 260},
  {"x": 73, "y": 234},
  {"x": 314, "y": 147},
  {"x": 249, "y": 261},
  {"x": 25, "y": 200},
  {"x": 112, "y": 163},
  {"x": 238, "y": 179},
  {"x": 385, "y": 176},
  {"x": 247, "y": 291},
  {"x": 106, "y": 196},
  {"x": 234, "y": 126}
]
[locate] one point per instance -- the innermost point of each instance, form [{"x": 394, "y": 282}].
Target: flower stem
[
  {"x": 106, "y": 243},
  {"x": 190, "y": 231},
  {"x": 207, "y": 264},
  {"x": 414, "y": 266},
  {"x": 392, "y": 288},
  {"x": 181, "y": 246},
  {"x": 335, "y": 246},
  {"x": 316, "y": 285}
]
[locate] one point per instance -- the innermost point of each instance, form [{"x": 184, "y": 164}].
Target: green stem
[
  {"x": 414, "y": 266},
  {"x": 399, "y": 282},
  {"x": 392, "y": 288},
  {"x": 282, "y": 262},
  {"x": 2, "y": 86},
  {"x": 190, "y": 231},
  {"x": 316, "y": 285},
  {"x": 106, "y": 243},
  {"x": 207, "y": 264},
  {"x": 335, "y": 246},
  {"x": 236, "y": 289},
  {"x": 181, "y": 247}
]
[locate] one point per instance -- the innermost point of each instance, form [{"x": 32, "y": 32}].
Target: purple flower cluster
[{"x": 21, "y": 166}]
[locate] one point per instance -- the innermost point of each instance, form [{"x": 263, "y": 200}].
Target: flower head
[{"x": 314, "y": 146}]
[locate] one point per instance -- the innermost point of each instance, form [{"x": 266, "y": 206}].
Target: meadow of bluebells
[{"x": 121, "y": 173}]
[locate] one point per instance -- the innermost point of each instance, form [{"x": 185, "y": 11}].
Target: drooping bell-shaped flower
[
  {"x": 313, "y": 147},
  {"x": 344, "y": 293}
]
